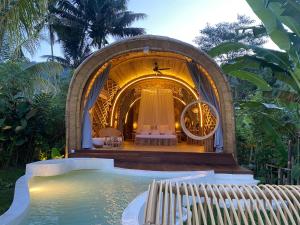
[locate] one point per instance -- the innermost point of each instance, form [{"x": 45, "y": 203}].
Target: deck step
[
  {"x": 181, "y": 167},
  {"x": 221, "y": 159},
  {"x": 167, "y": 161}
]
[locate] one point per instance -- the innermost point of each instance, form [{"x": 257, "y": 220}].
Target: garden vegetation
[{"x": 265, "y": 82}]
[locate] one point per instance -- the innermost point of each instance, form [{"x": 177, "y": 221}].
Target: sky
[{"x": 179, "y": 19}]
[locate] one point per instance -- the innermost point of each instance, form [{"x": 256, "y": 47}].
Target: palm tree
[
  {"x": 84, "y": 25},
  {"x": 20, "y": 22}
]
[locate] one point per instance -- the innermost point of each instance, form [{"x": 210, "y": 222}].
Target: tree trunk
[
  {"x": 51, "y": 35},
  {"x": 10, "y": 153}
]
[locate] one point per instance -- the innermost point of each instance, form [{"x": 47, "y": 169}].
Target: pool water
[{"x": 84, "y": 197}]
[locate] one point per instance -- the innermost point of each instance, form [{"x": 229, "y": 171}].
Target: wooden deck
[
  {"x": 166, "y": 159},
  {"x": 180, "y": 147}
]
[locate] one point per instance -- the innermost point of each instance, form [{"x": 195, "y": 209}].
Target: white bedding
[{"x": 158, "y": 136}]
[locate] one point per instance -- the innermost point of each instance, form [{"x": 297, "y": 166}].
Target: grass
[{"x": 8, "y": 178}]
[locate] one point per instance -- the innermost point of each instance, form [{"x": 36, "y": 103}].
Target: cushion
[
  {"x": 163, "y": 128},
  {"x": 154, "y": 132},
  {"x": 153, "y": 127},
  {"x": 142, "y": 136},
  {"x": 146, "y": 127},
  {"x": 168, "y": 132},
  {"x": 98, "y": 142}
]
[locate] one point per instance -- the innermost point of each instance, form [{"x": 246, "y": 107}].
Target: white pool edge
[{"x": 21, "y": 202}]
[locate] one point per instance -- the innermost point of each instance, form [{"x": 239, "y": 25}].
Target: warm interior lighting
[
  {"x": 148, "y": 78},
  {"x": 147, "y": 56},
  {"x": 212, "y": 83},
  {"x": 140, "y": 63},
  {"x": 126, "y": 117},
  {"x": 35, "y": 189},
  {"x": 99, "y": 71},
  {"x": 134, "y": 125},
  {"x": 195, "y": 110},
  {"x": 131, "y": 105},
  {"x": 176, "y": 125},
  {"x": 183, "y": 102}
]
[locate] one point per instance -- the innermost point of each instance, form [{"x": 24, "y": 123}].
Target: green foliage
[
  {"x": 20, "y": 22},
  {"x": 14, "y": 124},
  {"x": 225, "y": 48},
  {"x": 268, "y": 116},
  {"x": 296, "y": 172},
  {"x": 55, "y": 153},
  {"x": 83, "y": 25},
  {"x": 262, "y": 56},
  {"x": 276, "y": 15},
  {"x": 214, "y": 35},
  {"x": 29, "y": 78},
  {"x": 8, "y": 179},
  {"x": 31, "y": 112},
  {"x": 252, "y": 78},
  {"x": 212, "y": 38},
  {"x": 270, "y": 19},
  {"x": 264, "y": 128}
]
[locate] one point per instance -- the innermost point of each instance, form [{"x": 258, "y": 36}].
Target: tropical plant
[
  {"x": 21, "y": 22},
  {"x": 281, "y": 23},
  {"x": 84, "y": 25},
  {"x": 55, "y": 153},
  {"x": 274, "y": 117},
  {"x": 32, "y": 101},
  {"x": 29, "y": 78},
  {"x": 213, "y": 35}
]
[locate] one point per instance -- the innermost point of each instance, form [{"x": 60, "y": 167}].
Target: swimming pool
[
  {"x": 92, "y": 191},
  {"x": 82, "y": 197}
]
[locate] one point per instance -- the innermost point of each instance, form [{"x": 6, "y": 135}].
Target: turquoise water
[{"x": 82, "y": 197}]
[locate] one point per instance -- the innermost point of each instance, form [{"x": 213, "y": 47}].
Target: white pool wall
[{"x": 21, "y": 201}]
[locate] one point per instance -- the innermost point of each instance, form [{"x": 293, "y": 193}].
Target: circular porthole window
[{"x": 199, "y": 120}]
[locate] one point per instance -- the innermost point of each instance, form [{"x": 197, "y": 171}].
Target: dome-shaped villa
[{"x": 151, "y": 97}]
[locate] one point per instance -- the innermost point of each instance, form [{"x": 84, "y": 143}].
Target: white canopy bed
[{"x": 156, "y": 122}]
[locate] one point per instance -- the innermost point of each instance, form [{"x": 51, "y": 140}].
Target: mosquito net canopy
[{"x": 156, "y": 111}]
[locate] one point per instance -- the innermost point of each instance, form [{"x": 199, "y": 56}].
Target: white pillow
[
  {"x": 146, "y": 128},
  {"x": 169, "y": 132},
  {"x": 98, "y": 141},
  {"x": 163, "y": 128},
  {"x": 154, "y": 132}
]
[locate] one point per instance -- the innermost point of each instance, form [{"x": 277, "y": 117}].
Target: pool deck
[{"x": 166, "y": 158}]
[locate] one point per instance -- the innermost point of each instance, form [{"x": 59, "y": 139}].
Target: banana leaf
[
  {"x": 273, "y": 26},
  {"x": 287, "y": 15},
  {"x": 285, "y": 96},
  {"x": 276, "y": 57},
  {"x": 252, "y": 78}
]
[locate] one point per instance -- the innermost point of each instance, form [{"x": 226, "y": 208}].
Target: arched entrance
[{"x": 129, "y": 60}]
